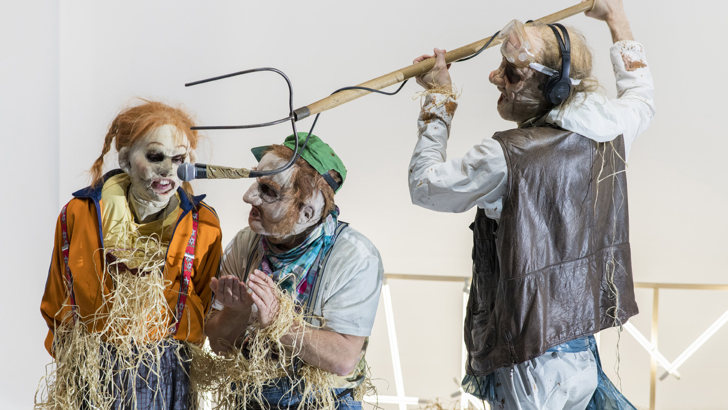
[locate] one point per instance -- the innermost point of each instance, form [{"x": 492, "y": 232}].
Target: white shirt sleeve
[
  {"x": 600, "y": 119},
  {"x": 635, "y": 89},
  {"x": 351, "y": 285},
  {"x": 454, "y": 185}
]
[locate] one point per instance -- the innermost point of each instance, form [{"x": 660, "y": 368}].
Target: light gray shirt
[{"x": 350, "y": 282}]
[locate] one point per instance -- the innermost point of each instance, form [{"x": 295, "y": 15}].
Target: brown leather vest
[{"x": 557, "y": 267}]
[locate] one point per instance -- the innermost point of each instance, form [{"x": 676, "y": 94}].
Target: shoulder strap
[
  {"x": 187, "y": 272},
  {"x": 64, "y": 251},
  {"x": 254, "y": 250},
  {"x": 310, "y": 303}
]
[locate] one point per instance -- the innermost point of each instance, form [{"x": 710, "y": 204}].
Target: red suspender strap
[
  {"x": 64, "y": 250},
  {"x": 187, "y": 272}
]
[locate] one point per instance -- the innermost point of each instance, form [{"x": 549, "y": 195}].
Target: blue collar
[{"x": 95, "y": 193}]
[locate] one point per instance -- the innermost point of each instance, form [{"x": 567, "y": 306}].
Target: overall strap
[
  {"x": 310, "y": 303},
  {"x": 187, "y": 272},
  {"x": 252, "y": 256},
  {"x": 64, "y": 250}
]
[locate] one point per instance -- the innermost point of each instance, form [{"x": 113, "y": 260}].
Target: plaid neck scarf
[{"x": 295, "y": 270}]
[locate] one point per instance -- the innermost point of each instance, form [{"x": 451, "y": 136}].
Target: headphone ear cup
[{"x": 556, "y": 91}]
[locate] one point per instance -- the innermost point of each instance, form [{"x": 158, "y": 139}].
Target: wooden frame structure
[{"x": 468, "y": 401}]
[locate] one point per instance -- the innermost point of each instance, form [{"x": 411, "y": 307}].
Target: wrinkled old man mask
[
  {"x": 520, "y": 97},
  {"x": 275, "y": 213}
]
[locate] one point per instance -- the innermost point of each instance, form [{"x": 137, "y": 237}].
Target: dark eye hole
[
  {"x": 178, "y": 159},
  {"x": 512, "y": 74},
  {"x": 267, "y": 193},
  {"x": 155, "y": 156}
]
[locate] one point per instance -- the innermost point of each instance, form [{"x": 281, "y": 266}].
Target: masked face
[
  {"x": 274, "y": 211},
  {"x": 520, "y": 97},
  {"x": 152, "y": 163}
]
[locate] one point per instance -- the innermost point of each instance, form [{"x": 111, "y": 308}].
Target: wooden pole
[{"x": 423, "y": 67}]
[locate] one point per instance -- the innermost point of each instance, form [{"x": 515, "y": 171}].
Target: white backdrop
[{"x": 67, "y": 67}]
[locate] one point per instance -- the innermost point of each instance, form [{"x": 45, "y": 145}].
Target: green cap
[{"x": 317, "y": 153}]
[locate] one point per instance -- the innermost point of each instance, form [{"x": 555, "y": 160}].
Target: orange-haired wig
[{"x": 134, "y": 122}]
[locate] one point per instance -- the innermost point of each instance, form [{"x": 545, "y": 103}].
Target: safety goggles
[
  {"x": 515, "y": 45},
  {"x": 518, "y": 49}
]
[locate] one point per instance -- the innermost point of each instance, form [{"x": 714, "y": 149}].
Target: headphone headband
[{"x": 558, "y": 87}]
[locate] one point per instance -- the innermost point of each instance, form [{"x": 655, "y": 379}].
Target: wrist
[
  {"x": 445, "y": 87},
  {"x": 236, "y": 312},
  {"x": 293, "y": 338},
  {"x": 616, "y": 19},
  {"x": 619, "y": 26},
  {"x": 287, "y": 340},
  {"x": 437, "y": 87}
]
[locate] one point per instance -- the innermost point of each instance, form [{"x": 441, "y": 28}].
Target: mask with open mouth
[
  {"x": 274, "y": 212},
  {"x": 152, "y": 163}
]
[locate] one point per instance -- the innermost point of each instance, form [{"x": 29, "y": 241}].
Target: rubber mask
[{"x": 516, "y": 47}]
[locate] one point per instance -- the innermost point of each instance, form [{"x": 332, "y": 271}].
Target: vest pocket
[
  {"x": 485, "y": 257},
  {"x": 480, "y": 325},
  {"x": 480, "y": 336}
]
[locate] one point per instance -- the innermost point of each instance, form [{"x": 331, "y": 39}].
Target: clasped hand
[{"x": 234, "y": 295}]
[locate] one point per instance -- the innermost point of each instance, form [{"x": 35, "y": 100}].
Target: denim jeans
[
  {"x": 279, "y": 395},
  {"x": 567, "y": 376},
  {"x": 161, "y": 381}
]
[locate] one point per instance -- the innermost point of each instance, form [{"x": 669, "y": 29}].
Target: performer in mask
[
  {"x": 551, "y": 253},
  {"x": 128, "y": 285},
  {"x": 296, "y": 250}
]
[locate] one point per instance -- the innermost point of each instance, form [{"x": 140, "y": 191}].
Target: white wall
[
  {"x": 68, "y": 67},
  {"x": 29, "y": 186}
]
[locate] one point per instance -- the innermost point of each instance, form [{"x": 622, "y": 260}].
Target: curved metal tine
[
  {"x": 296, "y": 151},
  {"x": 247, "y": 126},
  {"x": 240, "y": 127},
  {"x": 222, "y": 77}
]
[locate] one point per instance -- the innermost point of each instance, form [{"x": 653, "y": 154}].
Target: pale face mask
[
  {"x": 152, "y": 163},
  {"x": 518, "y": 49},
  {"x": 273, "y": 213}
]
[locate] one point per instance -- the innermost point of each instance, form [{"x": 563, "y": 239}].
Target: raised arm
[
  {"x": 612, "y": 12},
  {"x": 458, "y": 184},
  {"x": 635, "y": 107}
]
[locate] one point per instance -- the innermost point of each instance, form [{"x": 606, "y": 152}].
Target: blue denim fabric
[
  {"x": 606, "y": 397},
  {"x": 278, "y": 394},
  {"x": 162, "y": 380},
  {"x": 483, "y": 387},
  {"x": 573, "y": 346}
]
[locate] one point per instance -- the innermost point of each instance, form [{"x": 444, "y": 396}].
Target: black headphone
[{"x": 558, "y": 86}]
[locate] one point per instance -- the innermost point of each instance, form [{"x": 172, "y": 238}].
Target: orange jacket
[{"x": 83, "y": 217}]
